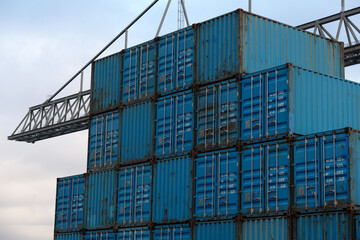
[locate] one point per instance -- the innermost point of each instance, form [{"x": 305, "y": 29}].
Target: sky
[{"x": 43, "y": 44}]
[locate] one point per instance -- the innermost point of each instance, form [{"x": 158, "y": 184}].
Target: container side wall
[
  {"x": 354, "y": 150},
  {"x": 215, "y": 230},
  {"x": 136, "y": 132},
  {"x": 175, "y": 232},
  {"x": 265, "y": 228},
  {"x": 175, "y": 60},
  {"x": 99, "y": 235},
  {"x": 172, "y": 190},
  {"x": 68, "y": 236},
  {"x": 133, "y": 234}
]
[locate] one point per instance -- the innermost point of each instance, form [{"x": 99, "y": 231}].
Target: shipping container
[
  {"x": 133, "y": 234},
  {"x": 106, "y": 83},
  {"x": 172, "y": 191},
  {"x": 100, "y": 235},
  {"x": 216, "y": 230},
  {"x": 175, "y": 61},
  {"x": 100, "y": 201},
  {"x": 291, "y": 100},
  {"x": 70, "y": 194},
  {"x": 172, "y": 232},
  {"x": 327, "y": 170},
  {"x": 216, "y": 184},
  {"x": 265, "y": 178},
  {"x": 357, "y": 226},
  {"x": 134, "y": 194},
  {"x": 240, "y": 42},
  {"x": 103, "y": 140},
  {"x": 321, "y": 226},
  {"x": 174, "y": 124},
  {"x": 266, "y": 228},
  {"x": 136, "y": 132},
  {"x": 68, "y": 236},
  {"x": 217, "y": 115},
  {"x": 139, "y": 72}
]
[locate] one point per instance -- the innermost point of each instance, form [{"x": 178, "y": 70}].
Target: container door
[
  {"x": 164, "y": 126},
  {"x": 335, "y": 167},
  {"x": 276, "y": 102},
  {"x": 277, "y": 164},
  {"x": 147, "y": 70},
  {"x": 185, "y": 58},
  {"x": 101, "y": 235},
  {"x": 227, "y": 187},
  {"x": 174, "y": 232},
  {"x": 166, "y": 61},
  {"x": 125, "y": 196},
  {"x": 111, "y": 138},
  {"x": 130, "y": 75},
  {"x": 307, "y": 173},
  {"x": 141, "y": 234},
  {"x": 142, "y": 193},
  {"x": 205, "y": 185},
  {"x": 252, "y": 180},
  {"x": 96, "y": 141},
  {"x": 228, "y": 113},
  {"x": 251, "y": 109},
  {"x": 207, "y": 118}
]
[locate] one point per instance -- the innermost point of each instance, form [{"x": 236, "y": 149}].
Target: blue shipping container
[
  {"x": 100, "y": 235},
  {"x": 217, "y": 115},
  {"x": 172, "y": 232},
  {"x": 68, "y": 236},
  {"x": 241, "y": 42},
  {"x": 133, "y": 234},
  {"x": 106, "y": 82},
  {"x": 103, "y": 140},
  {"x": 265, "y": 178},
  {"x": 70, "y": 194},
  {"x": 172, "y": 190},
  {"x": 216, "y": 184},
  {"x": 265, "y": 228},
  {"x": 175, "y": 60},
  {"x": 326, "y": 170},
  {"x": 139, "y": 72},
  {"x": 174, "y": 124},
  {"x": 357, "y": 227},
  {"x": 216, "y": 230},
  {"x": 292, "y": 100},
  {"x": 136, "y": 132},
  {"x": 134, "y": 195},
  {"x": 100, "y": 199}
]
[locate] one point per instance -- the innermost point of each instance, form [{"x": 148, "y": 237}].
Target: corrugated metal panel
[
  {"x": 172, "y": 190},
  {"x": 139, "y": 72},
  {"x": 217, "y": 115},
  {"x": 175, "y": 60},
  {"x": 265, "y": 228},
  {"x": 357, "y": 227},
  {"x": 174, "y": 232},
  {"x": 216, "y": 184},
  {"x": 103, "y": 140},
  {"x": 100, "y": 199},
  {"x": 69, "y": 214},
  {"x": 133, "y": 234},
  {"x": 68, "y": 236},
  {"x": 174, "y": 124},
  {"x": 106, "y": 82},
  {"x": 137, "y": 132},
  {"x": 289, "y": 99},
  {"x": 134, "y": 194},
  {"x": 265, "y": 178},
  {"x": 323, "y": 226},
  {"x": 326, "y": 169},
  {"x": 215, "y": 230},
  {"x": 100, "y": 235}
]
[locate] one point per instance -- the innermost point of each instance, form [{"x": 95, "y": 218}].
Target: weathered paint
[
  {"x": 240, "y": 42},
  {"x": 68, "y": 236},
  {"x": 103, "y": 140},
  {"x": 265, "y": 178},
  {"x": 106, "y": 83},
  {"x": 100, "y": 235},
  {"x": 291, "y": 100},
  {"x": 134, "y": 195},
  {"x": 357, "y": 226},
  {"x": 172, "y": 232},
  {"x": 69, "y": 213},
  {"x": 174, "y": 124},
  {"x": 217, "y": 115},
  {"x": 175, "y": 60},
  {"x": 136, "y": 134},
  {"x": 100, "y": 201},
  {"x": 139, "y": 72},
  {"x": 265, "y": 228},
  {"x": 216, "y": 184},
  {"x": 139, "y": 233},
  {"x": 215, "y": 230},
  {"x": 172, "y": 190}
]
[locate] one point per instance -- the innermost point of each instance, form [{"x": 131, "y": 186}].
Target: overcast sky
[{"x": 42, "y": 44}]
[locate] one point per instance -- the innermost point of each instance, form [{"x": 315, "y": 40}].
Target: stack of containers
[{"x": 222, "y": 130}]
